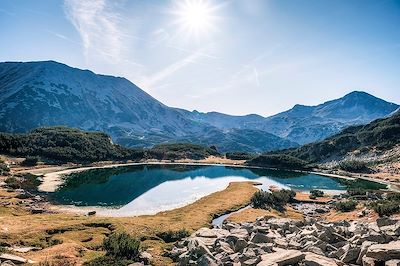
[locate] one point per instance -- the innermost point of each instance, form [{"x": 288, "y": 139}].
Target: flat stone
[
  {"x": 281, "y": 258},
  {"x": 259, "y": 238},
  {"x": 312, "y": 259},
  {"x": 392, "y": 263},
  {"x": 13, "y": 258},
  {"x": 367, "y": 261},
  {"x": 384, "y": 252}
]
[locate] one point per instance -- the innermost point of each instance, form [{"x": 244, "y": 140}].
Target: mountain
[
  {"x": 376, "y": 137},
  {"x": 305, "y": 124},
  {"x": 37, "y": 94},
  {"x": 48, "y": 93}
]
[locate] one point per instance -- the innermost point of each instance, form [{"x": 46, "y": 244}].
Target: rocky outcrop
[{"x": 279, "y": 242}]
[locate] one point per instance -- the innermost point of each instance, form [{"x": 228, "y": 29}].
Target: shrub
[
  {"x": 357, "y": 192},
  {"x": 394, "y": 197},
  {"x": 4, "y": 169},
  {"x": 30, "y": 161},
  {"x": 12, "y": 182},
  {"x": 315, "y": 193},
  {"x": 121, "y": 245},
  {"x": 239, "y": 155},
  {"x": 278, "y": 161},
  {"x": 277, "y": 199},
  {"x": 172, "y": 236},
  {"x": 386, "y": 208},
  {"x": 346, "y": 206}
]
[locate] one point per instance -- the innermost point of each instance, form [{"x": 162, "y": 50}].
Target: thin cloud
[
  {"x": 171, "y": 69},
  {"x": 97, "y": 25}
]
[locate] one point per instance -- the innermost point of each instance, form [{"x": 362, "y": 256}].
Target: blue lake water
[{"x": 148, "y": 189}]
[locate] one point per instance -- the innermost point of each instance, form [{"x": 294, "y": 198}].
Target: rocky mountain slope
[
  {"x": 36, "y": 94},
  {"x": 305, "y": 124}
]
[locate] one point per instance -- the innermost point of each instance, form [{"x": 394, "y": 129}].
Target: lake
[{"x": 148, "y": 189}]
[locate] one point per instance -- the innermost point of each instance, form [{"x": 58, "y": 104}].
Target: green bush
[
  {"x": 386, "y": 208},
  {"x": 122, "y": 246},
  {"x": 315, "y": 193},
  {"x": 394, "y": 197},
  {"x": 4, "y": 169},
  {"x": 172, "y": 236},
  {"x": 357, "y": 191},
  {"x": 278, "y": 161},
  {"x": 346, "y": 206},
  {"x": 276, "y": 199},
  {"x": 239, "y": 155},
  {"x": 30, "y": 161}
]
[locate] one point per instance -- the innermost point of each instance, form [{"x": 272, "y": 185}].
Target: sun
[{"x": 196, "y": 17}]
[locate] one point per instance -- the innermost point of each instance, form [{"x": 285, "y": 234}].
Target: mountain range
[{"x": 48, "y": 93}]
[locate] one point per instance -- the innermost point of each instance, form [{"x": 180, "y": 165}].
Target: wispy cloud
[
  {"x": 172, "y": 68},
  {"x": 97, "y": 24}
]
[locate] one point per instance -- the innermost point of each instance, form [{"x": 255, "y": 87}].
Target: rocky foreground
[{"x": 288, "y": 242}]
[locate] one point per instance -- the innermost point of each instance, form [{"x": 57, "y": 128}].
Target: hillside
[
  {"x": 37, "y": 94},
  {"x": 377, "y": 137},
  {"x": 304, "y": 124},
  {"x": 62, "y": 144}
]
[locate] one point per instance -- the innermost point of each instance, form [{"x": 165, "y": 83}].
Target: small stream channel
[{"x": 217, "y": 222}]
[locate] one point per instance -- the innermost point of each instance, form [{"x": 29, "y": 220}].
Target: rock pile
[{"x": 278, "y": 242}]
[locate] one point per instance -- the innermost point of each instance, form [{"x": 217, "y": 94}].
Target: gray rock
[
  {"x": 351, "y": 254},
  {"x": 282, "y": 257},
  {"x": 206, "y": 260},
  {"x": 367, "y": 261},
  {"x": 363, "y": 250},
  {"x": 13, "y": 258},
  {"x": 318, "y": 260},
  {"x": 385, "y": 221},
  {"x": 259, "y": 238},
  {"x": 384, "y": 252},
  {"x": 392, "y": 263},
  {"x": 7, "y": 263}
]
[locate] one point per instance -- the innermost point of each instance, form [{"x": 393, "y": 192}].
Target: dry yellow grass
[
  {"x": 304, "y": 197},
  {"x": 251, "y": 214},
  {"x": 82, "y": 236}
]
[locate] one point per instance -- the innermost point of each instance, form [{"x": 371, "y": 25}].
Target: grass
[
  {"x": 250, "y": 215},
  {"x": 81, "y": 237}
]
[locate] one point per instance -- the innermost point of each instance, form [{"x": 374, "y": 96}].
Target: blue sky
[{"x": 236, "y": 57}]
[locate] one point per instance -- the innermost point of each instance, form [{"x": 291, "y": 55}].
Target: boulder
[
  {"x": 351, "y": 254},
  {"x": 7, "y": 263},
  {"x": 367, "y": 261},
  {"x": 318, "y": 260},
  {"x": 13, "y": 258},
  {"x": 282, "y": 257},
  {"x": 206, "y": 260},
  {"x": 385, "y": 221},
  {"x": 363, "y": 250},
  {"x": 259, "y": 238},
  {"x": 384, "y": 252},
  {"x": 392, "y": 263}
]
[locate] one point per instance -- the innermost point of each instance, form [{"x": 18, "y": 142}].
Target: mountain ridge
[{"x": 48, "y": 93}]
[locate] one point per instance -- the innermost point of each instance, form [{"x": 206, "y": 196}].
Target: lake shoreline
[{"x": 52, "y": 180}]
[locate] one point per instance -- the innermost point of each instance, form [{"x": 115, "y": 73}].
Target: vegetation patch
[
  {"x": 354, "y": 166},
  {"x": 276, "y": 199},
  {"x": 172, "y": 236},
  {"x": 346, "y": 206},
  {"x": 239, "y": 155},
  {"x": 315, "y": 193},
  {"x": 278, "y": 161},
  {"x": 26, "y": 181}
]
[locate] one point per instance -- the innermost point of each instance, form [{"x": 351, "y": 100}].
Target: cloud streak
[{"x": 97, "y": 25}]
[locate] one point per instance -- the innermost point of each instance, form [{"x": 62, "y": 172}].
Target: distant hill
[
  {"x": 304, "y": 124},
  {"x": 37, "y": 94},
  {"x": 64, "y": 144},
  {"x": 378, "y": 136},
  {"x": 48, "y": 93}
]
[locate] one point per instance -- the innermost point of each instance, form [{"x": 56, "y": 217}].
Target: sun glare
[{"x": 195, "y": 17}]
